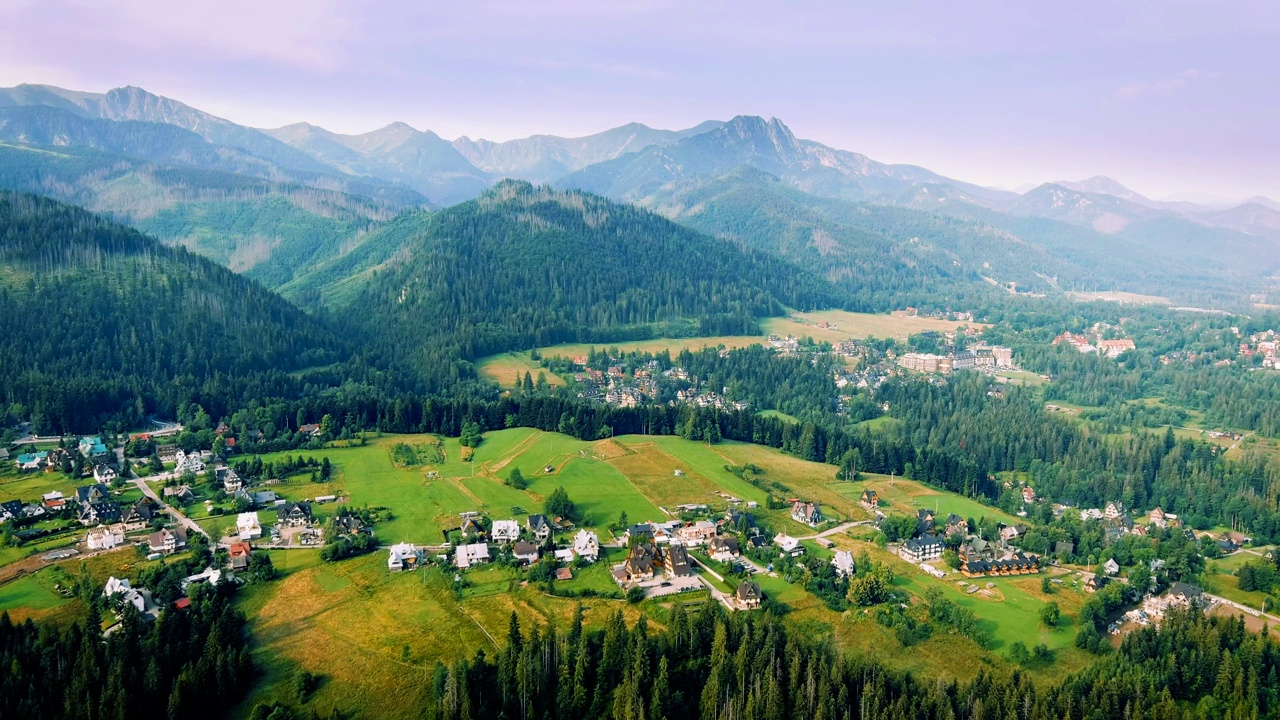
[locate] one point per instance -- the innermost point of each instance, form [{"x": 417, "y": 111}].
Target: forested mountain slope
[
  {"x": 270, "y": 229},
  {"x": 524, "y": 266},
  {"x": 102, "y": 320}
]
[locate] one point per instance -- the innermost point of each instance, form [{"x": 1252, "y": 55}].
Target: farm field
[
  {"x": 508, "y": 368},
  {"x": 856, "y": 326},
  {"x": 654, "y": 345},
  {"x": 376, "y": 636},
  {"x": 908, "y": 496}
]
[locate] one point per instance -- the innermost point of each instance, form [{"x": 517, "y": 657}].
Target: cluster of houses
[
  {"x": 526, "y": 545},
  {"x": 1111, "y": 348},
  {"x": 90, "y": 448},
  {"x": 1262, "y": 344},
  {"x": 288, "y": 515},
  {"x": 978, "y": 557},
  {"x": 981, "y": 356}
]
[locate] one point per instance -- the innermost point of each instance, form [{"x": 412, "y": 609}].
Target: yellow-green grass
[
  {"x": 1010, "y": 614},
  {"x": 779, "y": 415},
  {"x": 509, "y": 368},
  {"x": 1021, "y": 377},
  {"x": 1228, "y": 586},
  {"x": 28, "y": 487},
  {"x": 1119, "y": 296},
  {"x": 654, "y": 345},
  {"x": 34, "y": 597},
  {"x": 857, "y": 326},
  {"x": 908, "y": 496},
  {"x": 376, "y": 636}
]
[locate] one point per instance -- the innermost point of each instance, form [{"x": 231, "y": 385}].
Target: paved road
[
  {"x": 187, "y": 522},
  {"x": 836, "y": 530},
  {"x": 1243, "y": 608}
]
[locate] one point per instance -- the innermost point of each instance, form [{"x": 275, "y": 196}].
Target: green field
[
  {"x": 508, "y": 368},
  {"x": 377, "y": 634}
]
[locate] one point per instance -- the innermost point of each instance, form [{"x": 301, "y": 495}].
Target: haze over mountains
[{"x": 281, "y": 203}]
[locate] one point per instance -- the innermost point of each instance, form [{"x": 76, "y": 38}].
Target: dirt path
[{"x": 520, "y": 447}]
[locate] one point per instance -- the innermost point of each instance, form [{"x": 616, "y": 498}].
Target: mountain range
[{"x": 284, "y": 203}]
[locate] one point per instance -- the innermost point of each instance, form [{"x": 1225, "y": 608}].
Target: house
[
  {"x": 564, "y": 573},
  {"x": 99, "y": 513},
  {"x": 748, "y": 596},
  {"x": 870, "y": 499},
  {"x": 586, "y": 546},
  {"x": 724, "y": 549},
  {"x": 167, "y": 541},
  {"x": 248, "y": 526},
  {"x": 181, "y": 494},
  {"x": 505, "y": 531},
  {"x": 1111, "y": 567},
  {"x": 925, "y": 547},
  {"x": 1015, "y": 564},
  {"x": 53, "y": 500},
  {"x": 92, "y": 494},
  {"x": 539, "y": 526},
  {"x": 404, "y": 556},
  {"x": 1185, "y": 595},
  {"x": 675, "y": 561},
  {"x": 105, "y": 538},
  {"x": 1161, "y": 519},
  {"x": 924, "y": 521},
  {"x": 11, "y": 510},
  {"x": 1114, "y": 348},
  {"x": 293, "y": 514},
  {"x": 210, "y": 575},
  {"x": 32, "y": 462},
  {"x": 185, "y": 463},
  {"x": 843, "y": 562},
  {"x": 1064, "y": 547},
  {"x": 525, "y": 552},
  {"x": 699, "y": 533},
  {"x": 1028, "y": 494},
  {"x": 104, "y": 473},
  {"x": 92, "y": 447},
  {"x": 240, "y": 555},
  {"x": 351, "y": 525},
  {"x": 1010, "y": 533},
  {"x": 471, "y": 528},
  {"x": 639, "y": 565},
  {"x": 957, "y": 525},
  {"x": 119, "y": 592},
  {"x": 976, "y": 549},
  {"x": 229, "y": 479},
  {"x": 1090, "y": 514},
  {"x": 467, "y": 555},
  {"x": 807, "y": 513},
  {"x": 312, "y": 429},
  {"x": 1095, "y": 583},
  {"x": 641, "y": 532},
  {"x": 1114, "y": 510},
  {"x": 139, "y": 514},
  {"x": 788, "y": 545},
  {"x": 1226, "y": 545}
]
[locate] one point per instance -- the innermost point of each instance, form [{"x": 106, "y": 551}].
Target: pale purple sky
[{"x": 1168, "y": 97}]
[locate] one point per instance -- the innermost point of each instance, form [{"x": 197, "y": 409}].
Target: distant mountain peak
[{"x": 1103, "y": 185}]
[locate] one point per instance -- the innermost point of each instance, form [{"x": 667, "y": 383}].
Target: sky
[{"x": 1171, "y": 98}]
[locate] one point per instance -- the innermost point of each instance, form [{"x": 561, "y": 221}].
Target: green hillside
[
  {"x": 522, "y": 267},
  {"x": 102, "y": 321}
]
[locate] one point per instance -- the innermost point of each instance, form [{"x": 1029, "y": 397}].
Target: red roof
[
  {"x": 240, "y": 548},
  {"x": 182, "y": 603}
]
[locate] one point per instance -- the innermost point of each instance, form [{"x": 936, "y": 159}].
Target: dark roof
[
  {"x": 748, "y": 591},
  {"x": 295, "y": 510},
  {"x": 923, "y": 542},
  {"x": 640, "y": 529},
  {"x": 678, "y": 560},
  {"x": 524, "y": 548},
  {"x": 1191, "y": 591},
  {"x": 91, "y": 493},
  {"x": 1064, "y": 546},
  {"x": 537, "y": 522}
]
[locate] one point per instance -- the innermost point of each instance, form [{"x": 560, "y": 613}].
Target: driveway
[
  {"x": 676, "y": 586},
  {"x": 185, "y": 521}
]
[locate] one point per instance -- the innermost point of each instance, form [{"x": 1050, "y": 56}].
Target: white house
[
  {"x": 248, "y": 526},
  {"x": 586, "y": 545},
  {"x": 103, "y": 473},
  {"x": 403, "y": 557},
  {"x": 473, "y": 554},
  {"x": 105, "y": 538},
  {"x": 787, "y": 544},
  {"x": 188, "y": 463},
  {"x": 121, "y": 591},
  {"x": 1111, "y": 567},
  {"x": 844, "y": 563},
  {"x": 211, "y": 575},
  {"x": 505, "y": 531}
]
